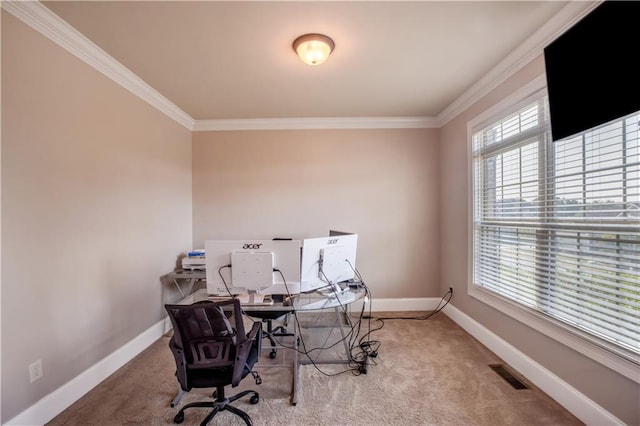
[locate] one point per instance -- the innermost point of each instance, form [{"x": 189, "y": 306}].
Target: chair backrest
[{"x": 204, "y": 337}]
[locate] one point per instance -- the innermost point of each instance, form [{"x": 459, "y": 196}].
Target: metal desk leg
[
  {"x": 341, "y": 325},
  {"x": 192, "y": 282},
  {"x": 179, "y": 288},
  {"x": 295, "y": 379}
]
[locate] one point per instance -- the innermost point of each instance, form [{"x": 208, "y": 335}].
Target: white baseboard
[
  {"x": 57, "y": 401},
  {"x": 400, "y": 305},
  {"x": 167, "y": 325},
  {"x": 575, "y": 402}
]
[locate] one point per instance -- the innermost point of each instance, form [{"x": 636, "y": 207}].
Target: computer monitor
[
  {"x": 327, "y": 261},
  {"x": 243, "y": 266}
]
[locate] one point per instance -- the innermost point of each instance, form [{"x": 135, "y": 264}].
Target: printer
[{"x": 195, "y": 259}]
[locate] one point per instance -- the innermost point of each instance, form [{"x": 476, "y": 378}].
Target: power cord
[
  {"x": 448, "y": 295},
  {"x": 368, "y": 349},
  {"x": 360, "y": 350}
]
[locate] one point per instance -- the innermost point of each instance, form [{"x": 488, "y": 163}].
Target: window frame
[{"x": 610, "y": 355}]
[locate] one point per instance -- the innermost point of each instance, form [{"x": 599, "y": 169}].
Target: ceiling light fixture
[{"x": 313, "y": 49}]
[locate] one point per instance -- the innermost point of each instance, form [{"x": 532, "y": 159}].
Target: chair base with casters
[{"x": 221, "y": 403}]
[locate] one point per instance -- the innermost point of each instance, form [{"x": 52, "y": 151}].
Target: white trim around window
[{"x": 624, "y": 362}]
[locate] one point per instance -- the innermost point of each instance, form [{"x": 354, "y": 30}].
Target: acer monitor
[
  {"x": 327, "y": 261},
  {"x": 245, "y": 266}
]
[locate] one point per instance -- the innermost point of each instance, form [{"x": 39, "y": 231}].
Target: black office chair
[
  {"x": 271, "y": 333},
  {"x": 211, "y": 352}
]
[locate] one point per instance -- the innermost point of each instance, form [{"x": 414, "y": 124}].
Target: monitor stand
[
  {"x": 251, "y": 298},
  {"x": 333, "y": 290}
]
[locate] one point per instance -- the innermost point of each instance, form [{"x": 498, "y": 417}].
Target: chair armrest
[
  {"x": 181, "y": 364},
  {"x": 255, "y": 334},
  {"x": 255, "y": 329},
  {"x": 254, "y": 337}
]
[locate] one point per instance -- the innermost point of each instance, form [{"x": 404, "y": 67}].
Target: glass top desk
[{"x": 311, "y": 302}]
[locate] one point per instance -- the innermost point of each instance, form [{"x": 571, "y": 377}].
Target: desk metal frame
[{"x": 190, "y": 275}]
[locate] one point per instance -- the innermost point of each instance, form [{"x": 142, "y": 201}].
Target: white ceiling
[{"x": 233, "y": 60}]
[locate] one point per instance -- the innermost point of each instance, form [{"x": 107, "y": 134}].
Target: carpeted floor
[{"x": 427, "y": 372}]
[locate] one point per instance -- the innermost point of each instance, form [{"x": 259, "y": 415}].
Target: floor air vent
[{"x": 502, "y": 372}]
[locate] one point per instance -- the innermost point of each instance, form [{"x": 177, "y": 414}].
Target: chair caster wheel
[
  {"x": 179, "y": 418},
  {"x": 273, "y": 354},
  {"x": 254, "y": 399}
]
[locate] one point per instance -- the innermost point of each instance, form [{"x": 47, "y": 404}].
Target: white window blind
[{"x": 557, "y": 224}]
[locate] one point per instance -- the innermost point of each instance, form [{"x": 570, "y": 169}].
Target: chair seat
[
  {"x": 271, "y": 333},
  {"x": 267, "y": 315}
]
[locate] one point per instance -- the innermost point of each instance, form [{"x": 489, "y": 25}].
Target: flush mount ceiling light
[{"x": 313, "y": 49}]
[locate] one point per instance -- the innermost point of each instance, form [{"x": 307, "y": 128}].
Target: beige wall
[
  {"x": 615, "y": 393},
  {"x": 97, "y": 203},
  {"x": 381, "y": 184},
  {"x": 96, "y": 206}
]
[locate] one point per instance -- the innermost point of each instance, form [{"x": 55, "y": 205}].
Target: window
[{"x": 556, "y": 225}]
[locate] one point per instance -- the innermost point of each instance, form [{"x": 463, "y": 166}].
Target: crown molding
[
  {"x": 317, "y": 123},
  {"x": 43, "y": 20},
  {"x": 518, "y": 58}
]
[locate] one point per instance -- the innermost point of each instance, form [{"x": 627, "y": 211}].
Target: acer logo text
[{"x": 251, "y": 246}]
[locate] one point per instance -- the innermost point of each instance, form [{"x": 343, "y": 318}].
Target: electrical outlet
[{"x": 35, "y": 370}]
